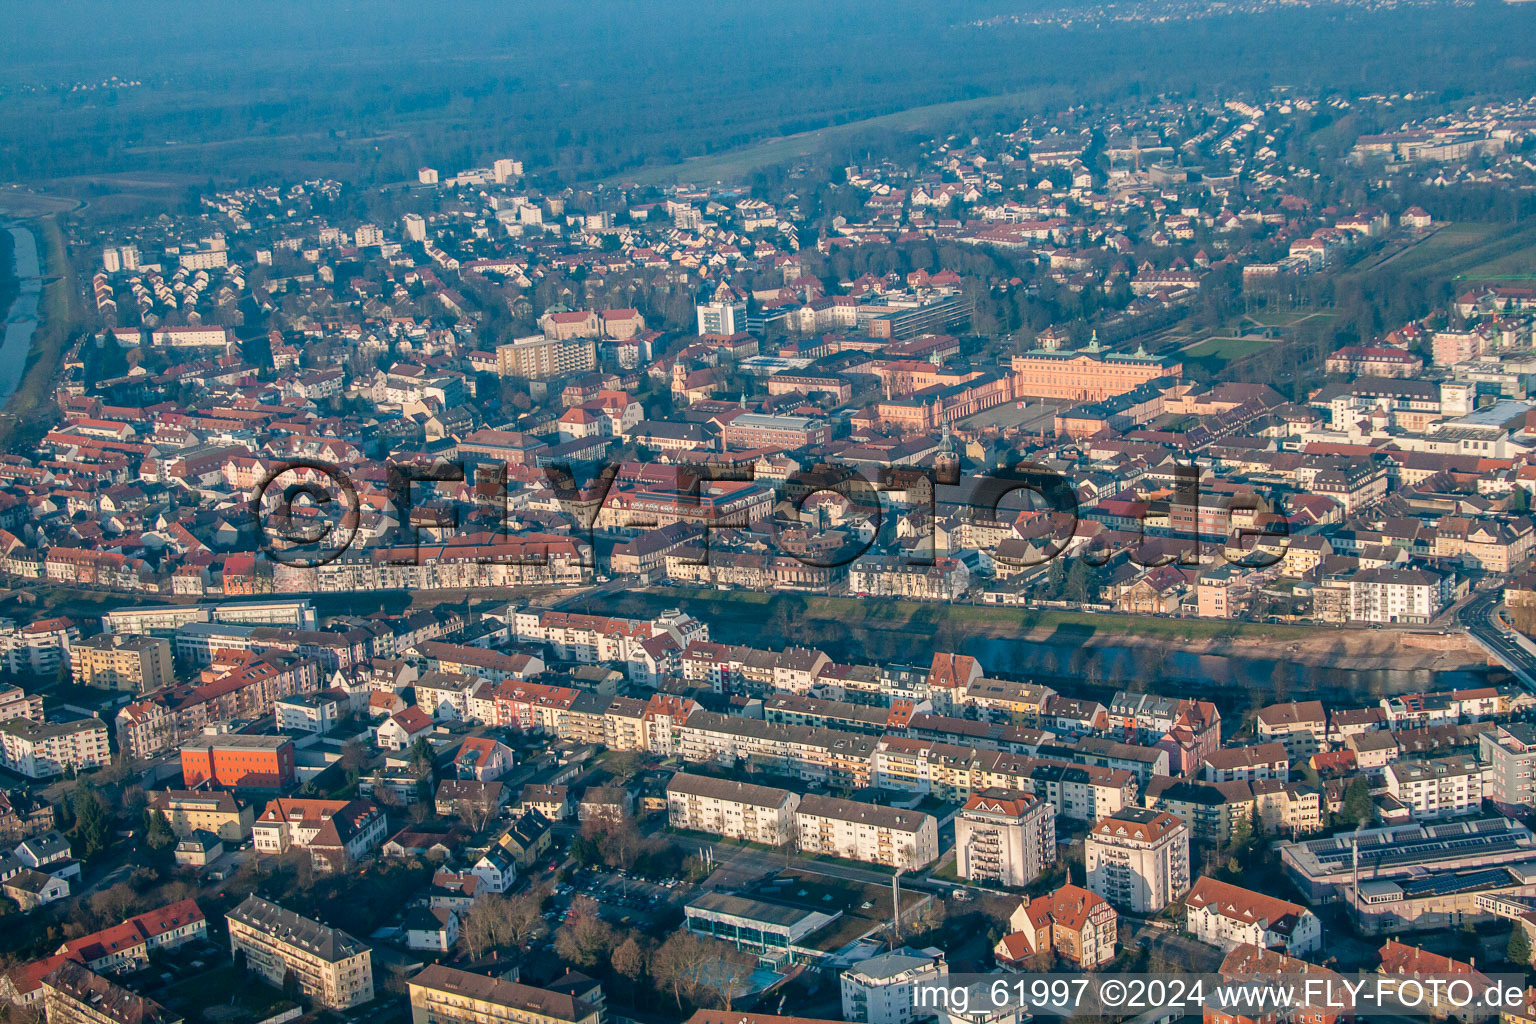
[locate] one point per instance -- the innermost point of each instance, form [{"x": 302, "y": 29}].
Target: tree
[
  {"x": 676, "y": 965},
  {"x": 585, "y": 939},
  {"x": 158, "y": 836},
  {"x": 93, "y": 826},
  {"x": 629, "y": 959},
  {"x": 618, "y": 840},
  {"x": 477, "y": 810},
  {"x": 1357, "y": 806},
  {"x": 1519, "y": 949},
  {"x": 1078, "y": 587},
  {"x": 521, "y": 915},
  {"x": 730, "y": 975}
]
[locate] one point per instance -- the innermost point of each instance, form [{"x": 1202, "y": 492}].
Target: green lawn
[
  {"x": 1226, "y": 348},
  {"x": 978, "y": 620}
]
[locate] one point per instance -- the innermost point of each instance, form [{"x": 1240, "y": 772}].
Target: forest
[{"x": 236, "y": 94}]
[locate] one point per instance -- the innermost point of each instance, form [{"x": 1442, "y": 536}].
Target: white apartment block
[
  {"x": 1228, "y": 916},
  {"x": 1439, "y": 787},
  {"x": 1006, "y": 838},
  {"x": 17, "y": 703},
  {"x": 1396, "y": 595},
  {"x": 1247, "y": 764},
  {"x": 855, "y": 830},
  {"x": 307, "y": 712},
  {"x": 333, "y": 968},
  {"x": 41, "y": 750},
  {"x": 1300, "y": 726},
  {"x": 880, "y": 990},
  {"x": 1138, "y": 859},
  {"x": 738, "y": 810},
  {"x": 1510, "y": 751},
  {"x": 39, "y": 648}
]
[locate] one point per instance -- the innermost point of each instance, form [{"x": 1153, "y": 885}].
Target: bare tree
[
  {"x": 477, "y": 811},
  {"x": 680, "y": 964},
  {"x": 585, "y": 939},
  {"x": 631, "y": 959},
  {"x": 521, "y": 915},
  {"x": 730, "y": 974}
]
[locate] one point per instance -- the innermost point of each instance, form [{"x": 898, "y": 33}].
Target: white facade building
[
  {"x": 1004, "y": 837},
  {"x": 880, "y": 990},
  {"x": 1138, "y": 859}
]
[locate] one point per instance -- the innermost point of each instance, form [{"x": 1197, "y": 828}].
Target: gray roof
[
  {"x": 330, "y": 944},
  {"x": 727, "y": 789}
]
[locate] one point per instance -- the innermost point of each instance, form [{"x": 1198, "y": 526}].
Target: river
[
  {"x": 1233, "y": 681},
  {"x": 21, "y": 320}
]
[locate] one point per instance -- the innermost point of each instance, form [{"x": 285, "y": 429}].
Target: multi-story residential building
[
  {"x": 944, "y": 579},
  {"x": 444, "y": 995},
  {"x": 126, "y": 947},
  {"x": 1077, "y": 925},
  {"x": 116, "y": 661},
  {"x": 308, "y": 712},
  {"x": 17, "y": 703},
  {"x": 236, "y": 685},
  {"x": 1138, "y": 859},
  {"x": 881, "y": 990},
  {"x": 724, "y": 318},
  {"x": 855, "y": 830},
  {"x": 1249, "y": 965},
  {"x": 1301, "y": 726},
  {"x": 738, "y": 810},
  {"x": 1389, "y": 595},
  {"x": 1004, "y": 837},
  {"x": 954, "y": 772},
  {"x": 1228, "y": 915},
  {"x": 74, "y": 994},
  {"x": 38, "y": 648},
  {"x": 41, "y": 750},
  {"x": 1510, "y": 752},
  {"x": 1244, "y": 764},
  {"x": 239, "y": 759},
  {"x": 814, "y": 755},
  {"x": 1439, "y": 787},
  {"x": 543, "y": 358},
  {"x": 24, "y": 814},
  {"x": 188, "y": 811},
  {"x": 335, "y": 832},
  {"x": 332, "y": 968}
]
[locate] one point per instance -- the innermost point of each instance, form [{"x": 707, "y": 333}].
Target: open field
[
  {"x": 738, "y": 163},
  {"x": 1465, "y": 251},
  {"x": 1226, "y": 348}
]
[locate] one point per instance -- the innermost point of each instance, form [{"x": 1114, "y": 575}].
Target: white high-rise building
[
  {"x": 880, "y": 990},
  {"x": 722, "y": 317},
  {"x": 415, "y": 227},
  {"x": 111, "y": 259},
  {"x": 505, "y": 169},
  {"x": 1138, "y": 859},
  {"x": 1004, "y": 837}
]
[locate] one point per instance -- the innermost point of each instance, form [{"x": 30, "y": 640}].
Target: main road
[{"x": 1480, "y": 617}]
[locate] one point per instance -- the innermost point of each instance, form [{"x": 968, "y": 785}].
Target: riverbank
[
  {"x": 28, "y": 408},
  {"x": 794, "y": 615},
  {"x": 1240, "y": 665}
]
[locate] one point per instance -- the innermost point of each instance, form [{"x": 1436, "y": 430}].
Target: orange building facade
[
  {"x": 1087, "y": 374},
  {"x": 265, "y": 762}
]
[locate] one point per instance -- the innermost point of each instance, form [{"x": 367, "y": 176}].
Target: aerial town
[{"x": 479, "y": 598}]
